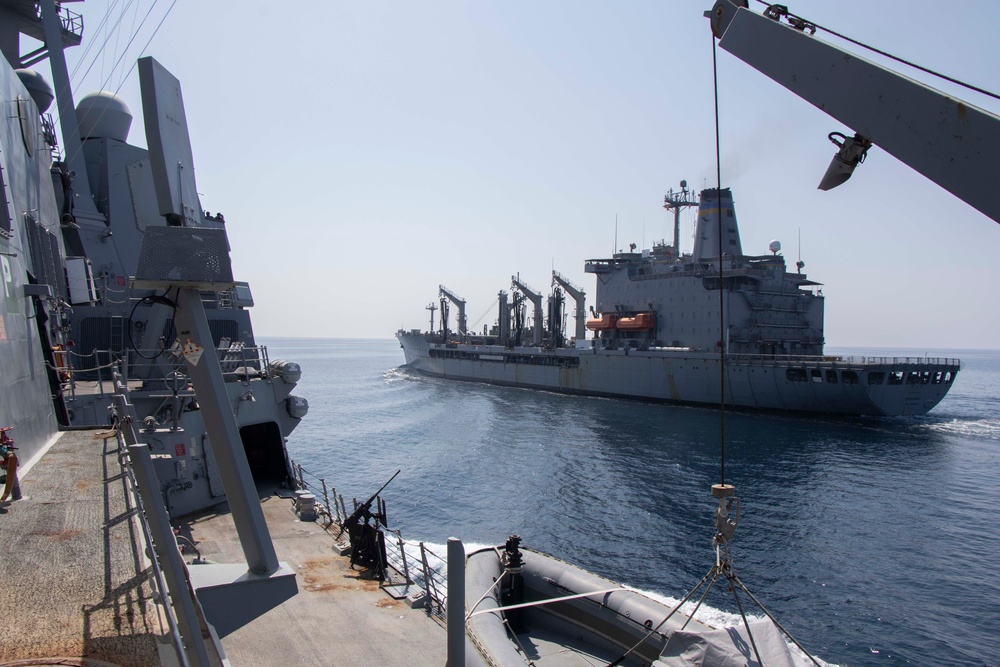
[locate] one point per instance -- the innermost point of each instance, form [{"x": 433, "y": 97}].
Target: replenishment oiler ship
[{"x": 655, "y": 334}]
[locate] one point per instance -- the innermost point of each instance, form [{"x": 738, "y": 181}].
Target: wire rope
[
  {"x": 801, "y": 23},
  {"x": 722, "y": 321}
]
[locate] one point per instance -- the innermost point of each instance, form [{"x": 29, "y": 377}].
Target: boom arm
[
  {"x": 459, "y": 303},
  {"x": 536, "y": 299},
  {"x": 944, "y": 138},
  {"x": 581, "y": 302}
]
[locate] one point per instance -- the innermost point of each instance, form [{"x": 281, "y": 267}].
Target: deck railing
[{"x": 134, "y": 507}]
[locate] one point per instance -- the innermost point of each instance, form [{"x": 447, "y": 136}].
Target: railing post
[
  {"x": 343, "y": 507},
  {"x": 456, "y": 603},
  {"x": 326, "y": 497},
  {"x": 402, "y": 552},
  {"x": 429, "y": 588}
]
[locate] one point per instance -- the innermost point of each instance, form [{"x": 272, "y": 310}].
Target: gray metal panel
[
  {"x": 948, "y": 141},
  {"x": 184, "y": 257},
  {"x": 169, "y": 142}
]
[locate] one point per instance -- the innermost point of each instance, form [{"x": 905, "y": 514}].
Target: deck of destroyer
[{"x": 76, "y": 581}]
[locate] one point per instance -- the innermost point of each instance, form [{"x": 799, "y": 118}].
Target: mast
[
  {"x": 83, "y": 205},
  {"x": 678, "y": 201}
]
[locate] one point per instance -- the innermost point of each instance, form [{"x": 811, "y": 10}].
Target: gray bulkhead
[{"x": 29, "y": 252}]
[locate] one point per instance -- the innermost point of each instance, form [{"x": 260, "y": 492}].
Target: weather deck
[
  {"x": 339, "y": 616},
  {"x": 74, "y": 580}
]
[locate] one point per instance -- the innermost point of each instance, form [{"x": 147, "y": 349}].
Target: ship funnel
[{"x": 716, "y": 203}]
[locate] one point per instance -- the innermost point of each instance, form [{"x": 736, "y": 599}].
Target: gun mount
[{"x": 367, "y": 540}]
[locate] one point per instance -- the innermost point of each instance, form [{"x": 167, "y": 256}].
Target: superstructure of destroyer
[
  {"x": 655, "y": 333},
  {"x": 75, "y": 222}
]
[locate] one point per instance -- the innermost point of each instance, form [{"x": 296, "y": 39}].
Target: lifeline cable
[{"x": 722, "y": 321}]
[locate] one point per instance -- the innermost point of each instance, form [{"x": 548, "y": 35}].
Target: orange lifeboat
[
  {"x": 605, "y": 322},
  {"x": 640, "y": 322}
]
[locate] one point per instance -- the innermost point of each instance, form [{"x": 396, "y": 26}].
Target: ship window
[
  {"x": 849, "y": 377},
  {"x": 817, "y": 375},
  {"x": 831, "y": 376},
  {"x": 896, "y": 377},
  {"x": 878, "y": 377}
]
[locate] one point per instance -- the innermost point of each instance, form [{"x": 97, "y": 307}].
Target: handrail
[{"x": 175, "y": 634}]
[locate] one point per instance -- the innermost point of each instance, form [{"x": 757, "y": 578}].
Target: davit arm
[{"x": 944, "y": 138}]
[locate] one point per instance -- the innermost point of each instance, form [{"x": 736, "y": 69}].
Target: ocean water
[{"x": 874, "y": 541}]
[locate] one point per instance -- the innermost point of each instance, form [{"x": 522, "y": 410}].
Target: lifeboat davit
[
  {"x": 605, "y": 322},
  {"x": 640, "y": 322}
]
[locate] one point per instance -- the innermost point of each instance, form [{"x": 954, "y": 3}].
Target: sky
[{"x": 365, "y": 152}]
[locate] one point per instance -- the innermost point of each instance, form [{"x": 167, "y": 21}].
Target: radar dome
[
  {"x": 774, "y": 246},
  {"x": 103, "y": 115},
  {"x": 38, "y": 88}
]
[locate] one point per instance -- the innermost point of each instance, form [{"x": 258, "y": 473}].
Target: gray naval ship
[
  {"x": 73, "y": 223},
  {"x": 656, "y": 334}
]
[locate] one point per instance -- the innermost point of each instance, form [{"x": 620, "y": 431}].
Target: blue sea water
[{"x": 874, "y": 541}]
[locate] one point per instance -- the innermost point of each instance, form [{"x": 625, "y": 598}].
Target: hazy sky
[{"x": 364, "y": 153}]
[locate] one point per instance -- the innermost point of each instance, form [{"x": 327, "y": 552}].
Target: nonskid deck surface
[
  {"x": 338, "y": 617},
  {"x": 72, "y": 580}
]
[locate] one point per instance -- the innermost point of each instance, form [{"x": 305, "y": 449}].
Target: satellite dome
[
  {"x": 38, "y": 88},
  {"x": 103, "y": 115},
  {"x": 774, "y": 246}
]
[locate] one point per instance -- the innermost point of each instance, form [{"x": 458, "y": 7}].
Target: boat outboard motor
[{"x": 512, "y": 586}]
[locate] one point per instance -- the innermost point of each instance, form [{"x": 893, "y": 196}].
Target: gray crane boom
[
  {"x": 942, "y": 137},
  {"x": 536, "y": 299},
  {"x": 581, "y": 303},
  {"x": 459, "y": 303}
]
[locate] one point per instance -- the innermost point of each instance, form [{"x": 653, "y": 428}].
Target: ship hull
[
  {"x": 25, "y": 392},
  {"x": 830, "y": 385}
]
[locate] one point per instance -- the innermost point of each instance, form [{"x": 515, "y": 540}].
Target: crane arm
[
  {"x": 581, "y": 303},
  {"x": 573, "y": 290},
  {"x": 459, "y": 303},
  {"x": 536, "y": 299},
  {"x": 942, "y": 137},
  {"x": 533, "y": 296}
]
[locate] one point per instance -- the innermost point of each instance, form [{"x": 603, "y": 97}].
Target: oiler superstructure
[{"x": 655, "y": 332}]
